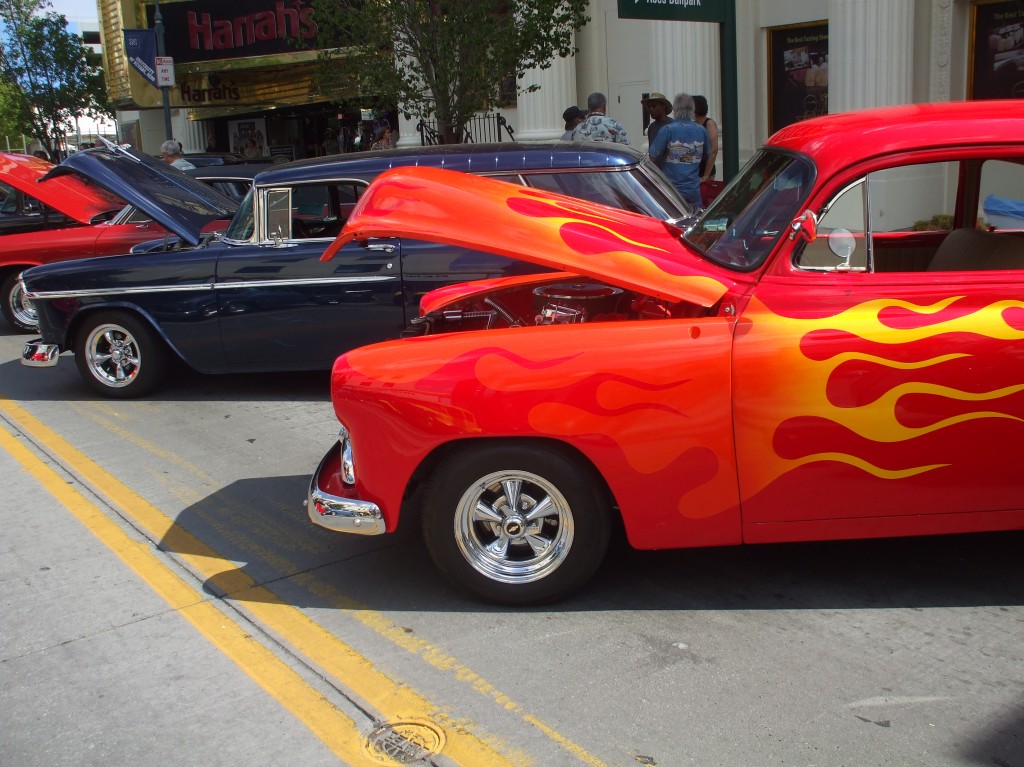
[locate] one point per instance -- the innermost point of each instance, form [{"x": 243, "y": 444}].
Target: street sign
[
  {"x": 675, "y": 10},
  {"x": 164, "y": 71}
]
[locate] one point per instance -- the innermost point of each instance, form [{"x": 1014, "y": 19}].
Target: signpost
[
  {"x": 158, "y": 26},
  {"x": 145, "y": 49},
  {"x": 722, "y": 12}
]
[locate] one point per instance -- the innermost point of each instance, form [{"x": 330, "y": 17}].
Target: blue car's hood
[{"x": 173, "y": 199}]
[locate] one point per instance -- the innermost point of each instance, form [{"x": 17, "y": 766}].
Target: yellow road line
[
  {"x": 237, "y": 585},
  {"x": 393, "y": 701},
  {"x": 372, "y": 619},
  {"x": 334, "y": 729}
]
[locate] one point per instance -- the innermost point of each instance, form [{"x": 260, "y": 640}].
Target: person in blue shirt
[{"x": 679, "y": 147}]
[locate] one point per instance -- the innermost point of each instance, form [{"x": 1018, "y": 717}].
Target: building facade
[
  {"x": 795, "y": 59},
  {"x": 244, "y": 79},
  {"x": 243, "y": 70}
]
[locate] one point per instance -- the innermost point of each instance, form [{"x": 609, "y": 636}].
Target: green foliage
[
  {"x": 441, "y": 58},
  {"x": 11, "y": 111},
  {"x": 50, "y": 67},
  {"x": 939, "y": 221}
]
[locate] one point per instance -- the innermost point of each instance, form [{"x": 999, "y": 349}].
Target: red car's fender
[{"x": 647, "y": 403}]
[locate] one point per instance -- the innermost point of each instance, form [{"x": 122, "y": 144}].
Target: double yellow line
[{"x": 388, "y": 700}]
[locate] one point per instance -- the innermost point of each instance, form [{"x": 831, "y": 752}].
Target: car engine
[{"x": 559, "y": 303}]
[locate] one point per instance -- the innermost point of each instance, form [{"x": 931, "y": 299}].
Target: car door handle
[{"x": 381, "y": 247}]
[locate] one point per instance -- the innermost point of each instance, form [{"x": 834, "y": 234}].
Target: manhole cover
[{"x": 405, "y": 742}]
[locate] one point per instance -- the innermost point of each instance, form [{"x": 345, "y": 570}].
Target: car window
[
  {"x": 10, "y": 199},
  {"x": 892, "y": 220},
  {"x": 913, "y": 198},
  {"x": 279, "y": 213},
  {"x": 243, "y": 225},
  {"x": 905, "y": 219},
  {"x": 233, "y": 188},
  {"x": 1001, "y": 192},
  {"x": 311, "y": 211},
  {"x": 845, "y": 217},
  {"x": 630, "y": 190},
  {"x": 742, "y": 225},
  {"x": 137, "y": 216},
  {"x": 29, "y": 205}
]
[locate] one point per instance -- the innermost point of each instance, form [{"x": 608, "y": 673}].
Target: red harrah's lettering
[
  {"x": 199, "y": 95},
  {"x": 205, "y": 33}
]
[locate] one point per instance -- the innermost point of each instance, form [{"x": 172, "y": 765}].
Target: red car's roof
[
  {"x": 70, "y": 194},
  {"x": 831, "y": 141}
]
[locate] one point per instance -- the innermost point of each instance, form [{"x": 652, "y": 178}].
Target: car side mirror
[
  {"x": 804, "y": 226},
  {"x": 842, "y": 243}
]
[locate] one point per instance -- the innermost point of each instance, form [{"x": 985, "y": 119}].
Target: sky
[{"x": 76, "y": 10}]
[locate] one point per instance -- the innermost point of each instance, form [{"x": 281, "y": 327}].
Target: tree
[
  {"x": 11, "y": 100},
  {"x": 442, "y": 58},
  {"x": 50, "y": 66}
]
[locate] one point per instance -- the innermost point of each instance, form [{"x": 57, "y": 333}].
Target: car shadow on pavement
[
  {"x": 262, "y": 524},
  {"x": 182, "y": 384},
  {"x": 1001, "y": 743}
]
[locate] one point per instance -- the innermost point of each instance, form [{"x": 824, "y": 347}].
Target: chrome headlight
[{"x": 348, "y": 469}]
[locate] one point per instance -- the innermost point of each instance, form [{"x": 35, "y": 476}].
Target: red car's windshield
[{"x": 742, "y": 226}]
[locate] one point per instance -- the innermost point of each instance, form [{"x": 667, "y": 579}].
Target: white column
[
  {"x": 870, "y": 45},
  {"x": 193, "y": 134},
  {"x": 407, "y": 133},
  {"x": 538, "y": 115},
  {"x": 685, "y": 58}
]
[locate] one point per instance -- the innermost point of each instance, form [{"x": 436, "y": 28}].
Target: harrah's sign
[{"x": 201, "y": 31}]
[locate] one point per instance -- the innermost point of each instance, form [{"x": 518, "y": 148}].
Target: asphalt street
[{"x": 165, "y": 602}]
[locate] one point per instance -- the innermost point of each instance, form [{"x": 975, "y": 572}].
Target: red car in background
[
  {"x": 62, "y": 215},
  {"x": 834, "y": 350}
]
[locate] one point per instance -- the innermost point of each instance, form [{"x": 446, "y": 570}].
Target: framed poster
[
  {"x": 997, "y": 51},
  {"x": 248, "y": 137},
  {"x": 797, "y": 73}
]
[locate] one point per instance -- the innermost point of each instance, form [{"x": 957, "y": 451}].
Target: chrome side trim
[
  {"x": 308, "y": 281},
  {"x": 36, "y": 354},
  {"x": 208, "y": 286},
  {"x": 342, "y": 515},
  {"x": 117, "y": 291}
]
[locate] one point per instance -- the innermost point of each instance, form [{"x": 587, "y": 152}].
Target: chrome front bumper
[
  {"x": 36, "y": 354},
  {"x": 343, "y": 515}
]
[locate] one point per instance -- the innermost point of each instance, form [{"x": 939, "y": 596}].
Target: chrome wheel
[
  {"x": 113, "y": 355},
  {"x": 17, "y": 309},
  {"x": 514, "y": 527},
  {"x": 119, "y": 355},
  {"x": 516, "y": 521}
]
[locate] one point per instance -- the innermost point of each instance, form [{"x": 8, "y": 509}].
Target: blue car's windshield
[
  {"x": 742, "y": 226},
  {"x": 243, "y": 224}
]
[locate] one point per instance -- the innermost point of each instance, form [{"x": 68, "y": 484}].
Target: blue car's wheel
[{"x": 119, "y": 356}]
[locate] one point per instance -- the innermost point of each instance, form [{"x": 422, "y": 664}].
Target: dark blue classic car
[{"x": 260, "y": 299}]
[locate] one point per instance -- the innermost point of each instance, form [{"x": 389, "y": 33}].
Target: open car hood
[
  {"x": 169, "y": 196},
  {"x": 563, "y": 233},
  {"x": 71, "y": 195}
]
